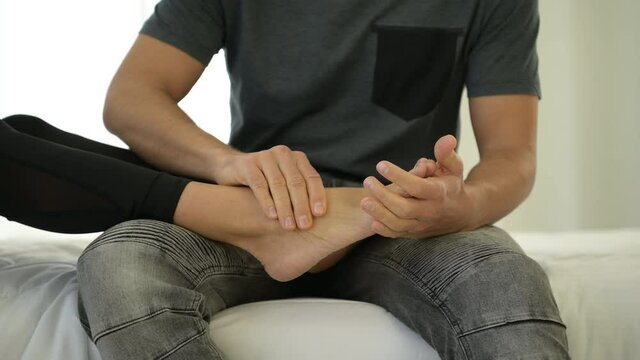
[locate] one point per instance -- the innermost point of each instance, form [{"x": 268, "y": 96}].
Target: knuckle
[
  {"x": 259, "y": 185},
  {"x": 439, "y": 191},
  {"x": 281, "y": 149},
  {"x": 296, "y": 181},
  {"x": 313, "y": 175},
  {"x": 263, "y": 156},
  {"x": 278, "y": 182},
  {"x": 299, "y": 155}
]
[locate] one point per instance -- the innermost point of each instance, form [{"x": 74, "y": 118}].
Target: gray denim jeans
[{"x": 149, "y": 288}]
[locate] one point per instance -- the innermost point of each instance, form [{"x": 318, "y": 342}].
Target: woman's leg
[
  {"x": 39, "y": 128},
  {"x": 61, "y": 182},
  {"x": 79, "y": 185}
]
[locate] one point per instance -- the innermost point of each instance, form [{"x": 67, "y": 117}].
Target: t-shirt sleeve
[
  {"x": 193, "y": 26},
  {"x": 504, "y": 58}
]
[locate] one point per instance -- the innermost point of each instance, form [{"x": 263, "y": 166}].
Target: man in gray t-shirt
[{"x": 341, "y": 93}]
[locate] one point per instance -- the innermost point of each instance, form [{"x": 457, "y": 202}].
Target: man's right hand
[{"x": 287, "y": 187}]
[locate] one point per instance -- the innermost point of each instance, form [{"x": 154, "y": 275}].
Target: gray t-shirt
[{"x": 353, "y": 82}]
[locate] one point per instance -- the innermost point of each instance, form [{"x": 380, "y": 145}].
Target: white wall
[
  {"x": 57, "y": 58},
  {"x": 589, "y": 129}
]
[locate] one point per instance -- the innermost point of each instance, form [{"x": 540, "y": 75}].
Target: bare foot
[
  {"x": 232, "y": 215},
  {"x": 289, "y": 254}
]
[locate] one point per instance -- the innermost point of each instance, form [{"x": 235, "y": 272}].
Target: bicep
[
  {"x": 156, "y": 64},
  {"x": 504, "y": 123}
]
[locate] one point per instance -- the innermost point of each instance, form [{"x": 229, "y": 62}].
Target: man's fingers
[
  {"x": 260, "y": 187},
  {"x": 407, "y": 181},
  {"x": 297, "y": 186},
  {"x": 400, "y": 206},
  {"x": 386, "y": 217},
  {"x": 315, "y": 188},
  {"x": 416, "y": 187},
  {"x": 448, "y": 160},
  {"x": 424, "y": 168},
  {"x": 279, "y": 192}
]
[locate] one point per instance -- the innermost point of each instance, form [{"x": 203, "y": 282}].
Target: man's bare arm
[
  {"x": 505, "y": 128},
  {"x": 142, "y": 109}
]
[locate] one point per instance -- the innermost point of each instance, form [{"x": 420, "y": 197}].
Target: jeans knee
[
  {"x": 127, "y": 275},
  {"x": 136, "y": 246},
  {"x": 501, "y": 289},
  {"x": 127, "y": 257},
  {"x": 436, "y": 262}
]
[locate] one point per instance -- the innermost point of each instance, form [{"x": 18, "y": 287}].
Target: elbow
[
  {"x": 529, "y": 170},
  {"x": 113, "y": 116},
  {"x": 109, "y": 118}
]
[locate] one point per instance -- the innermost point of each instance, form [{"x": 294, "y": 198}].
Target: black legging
[{"x": 61, "y": 182}]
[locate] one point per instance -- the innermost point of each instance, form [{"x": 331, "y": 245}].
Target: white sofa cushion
[{"x": 315, "y": 329}]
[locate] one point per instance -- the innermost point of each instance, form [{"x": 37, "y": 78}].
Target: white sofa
[{"x": 595, "y": 276}]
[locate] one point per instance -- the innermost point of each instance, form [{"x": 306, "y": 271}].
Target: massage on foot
[{"x": 340, "y": 178}]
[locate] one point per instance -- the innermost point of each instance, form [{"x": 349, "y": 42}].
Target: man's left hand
[{"x": 418, "y": 207}]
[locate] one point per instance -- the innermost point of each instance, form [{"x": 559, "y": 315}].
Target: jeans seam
[
  {"x": 181, "y": 268},
  {"x": 194, "y": 281},
  {"x": 226, "y": 270},
  {"x": 509, "y": 321},
  {"x": 184, "y": 343},
  {"x": 139, "y": 319}
]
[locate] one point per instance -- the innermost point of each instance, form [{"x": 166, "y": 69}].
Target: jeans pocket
[{"x": 413, "y": 68}]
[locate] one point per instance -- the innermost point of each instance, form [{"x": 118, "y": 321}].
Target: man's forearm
[
  {"x": 498, "y": 184},
  {"x": 156, "y": 129}
]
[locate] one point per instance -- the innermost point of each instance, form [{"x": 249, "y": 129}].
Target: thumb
[{"x": 448, "y": 160}]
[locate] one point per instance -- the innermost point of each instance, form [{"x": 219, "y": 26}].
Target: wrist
[
  {"x": 475, "y": 210},
  {"x": 217, "y": 161}
]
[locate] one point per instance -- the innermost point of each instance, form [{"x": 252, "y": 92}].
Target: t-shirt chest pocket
[{"x": 413, "y": 68}]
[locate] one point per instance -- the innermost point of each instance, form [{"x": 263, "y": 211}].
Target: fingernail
[
  {"x": 382, "y": 168},
  {"x": 367, "y": 204},
  {"x": 318, "y": 209},
  {"x": 289, "y": 223},
  {"x": 272, "y": 213},
  {"x": 304, "y": 221},
  {"x": 368, "y": 183}
]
